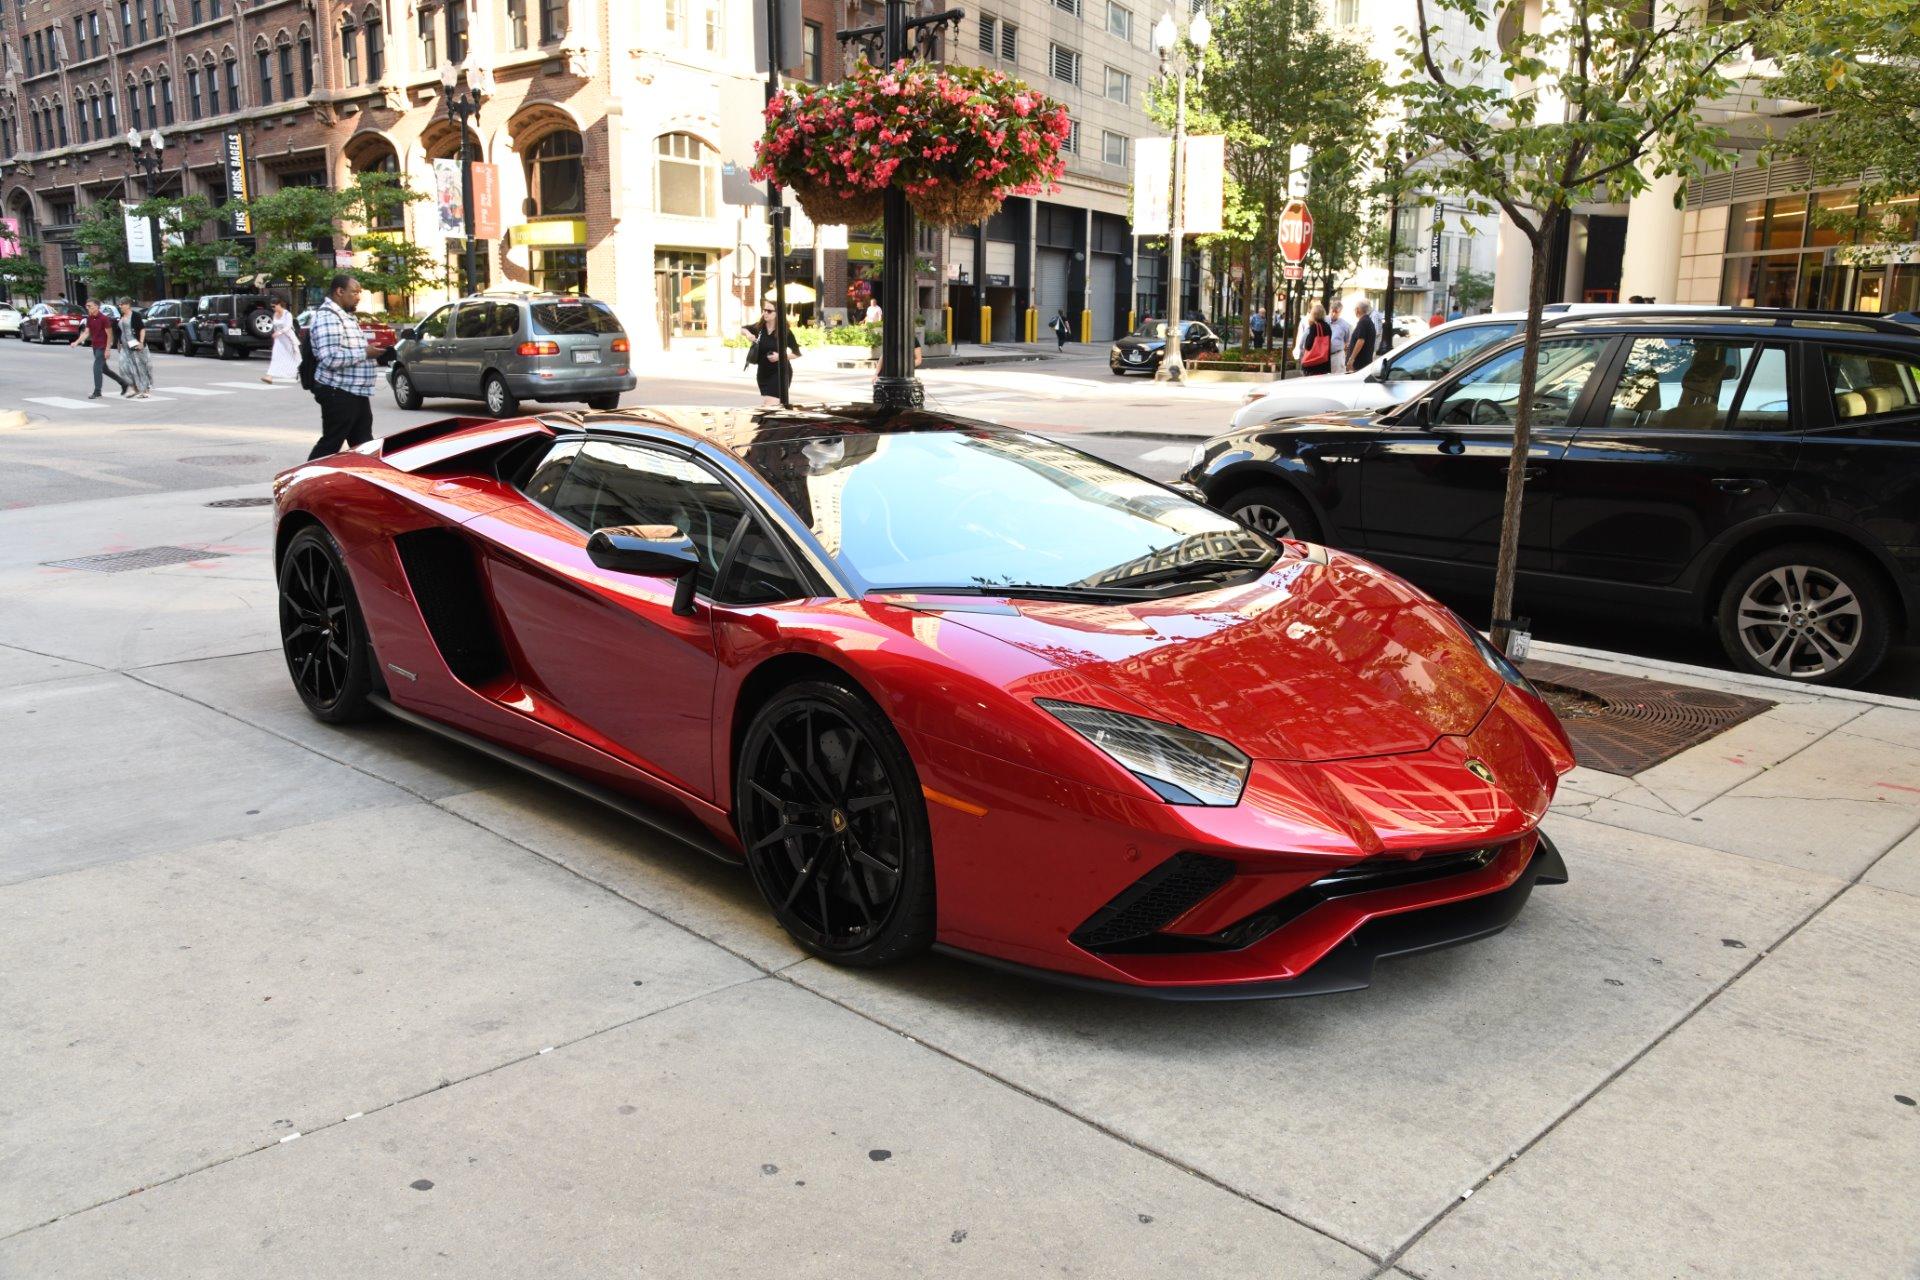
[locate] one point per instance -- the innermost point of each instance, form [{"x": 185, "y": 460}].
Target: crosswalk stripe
[
  {"x": 1171, "y": 453},
  {"x": 61, "y": 402},
  {"x": 255, "y": 385},
  {"x": 197, "y": 391}
]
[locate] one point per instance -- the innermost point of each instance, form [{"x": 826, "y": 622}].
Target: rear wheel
[
  {"x": 1275, "y": 512},
  {"x": 321, "y": 631},
  {"x": 1806, "y": 612},
  {"x": 501, "y": 402},
  {"x": 830, "y": 811},
  {"x": 259, "y": 323},
  {"x": 405, "y": 393},
  {"x": 605, "y": 401}
]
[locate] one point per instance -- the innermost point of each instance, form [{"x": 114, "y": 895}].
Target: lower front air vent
[{"x": 1153, "y": 901}]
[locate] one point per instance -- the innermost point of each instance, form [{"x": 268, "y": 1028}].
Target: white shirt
[
  {"x": 1341, "y": 332},
  {"x": 873, "y": 313}
]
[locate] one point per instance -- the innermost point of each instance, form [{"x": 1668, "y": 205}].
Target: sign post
[{"x": 1296, "y": 241}]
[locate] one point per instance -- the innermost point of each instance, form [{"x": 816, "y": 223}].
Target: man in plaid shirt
[{"x": 343, "y": 375}]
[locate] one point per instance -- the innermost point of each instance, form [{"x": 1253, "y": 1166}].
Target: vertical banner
[
  {"x": 1204, "y": 207},
  {"x": 234, "y": 154},
  {"x": 486, "y": 202},
  {"x": 10, "y": 238},
  {"x": 446, "y": 198},
  {"x": 139, "y": 235},
  {"x": 1152, "y": 186}
]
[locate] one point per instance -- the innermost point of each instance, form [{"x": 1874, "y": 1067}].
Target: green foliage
[
  {"x": 288, "y": 222},
  {"x": 1858, "y": 62},
  {"x": 1472, "y": 290},
  {"x": 285, "y": 225},
  {"x": 25, "y": 274},
  {"x": 840, "y": 335},
  {"x": 101, "y": 233},
  {"x": 190, "y": 264}
]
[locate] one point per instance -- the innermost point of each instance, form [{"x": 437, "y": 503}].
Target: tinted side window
[
  {"x": 620, "y": 484},
  {"x": 435, "y": 325},
  {"x": 1489, "y": 396},
  {"x": 1869, "y": 385},
  {"x": 561, "y": 318},
  {"x": 473, "y": 320},
  {"x": 506, "y": 320},
  {"x": 1691, "y": 384},
  {"x": 1433, "y": 357},
  {"x": 543, "y": 486},
  {"x": 759, "y": 573}
]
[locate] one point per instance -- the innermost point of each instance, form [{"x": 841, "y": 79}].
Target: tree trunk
[{"x": 1522, "y": 433}]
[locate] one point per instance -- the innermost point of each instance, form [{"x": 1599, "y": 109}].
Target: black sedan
[
  {"x": 1142, "y": 350},
  {"x": 1754, "y": 472}
]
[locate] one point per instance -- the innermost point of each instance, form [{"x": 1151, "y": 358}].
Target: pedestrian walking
[
  {"x": 98, "y": 334},
  {"x": 1342, "y": 335},
  {"x": 773, "y": 373},
  {"x": 285, "y": 365},
  {"x": 134, "y": 365},
  {"x": 342, "y": 374},
  {"x": 1314, "y": 347},
  {"x": 1257, "y": 328},
  {"x": 1436, "y": 320},
  {"x": 1364, "y": 345},
  {"x": 1061, "y": 327}
]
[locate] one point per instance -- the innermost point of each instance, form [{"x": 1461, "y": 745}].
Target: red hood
[{"x": 1314, "y": 661}]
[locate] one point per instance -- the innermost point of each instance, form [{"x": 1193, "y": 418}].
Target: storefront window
[
  {"x": 1842, "y": 204},
  {"x": 1899, "y": 219},
  {"x": 1786, "y": 222},
  {"x": 560, "y": 270},
  {"x": 680, "y": 279},
  {"x": 686, "y": 174},
  {"x": 556, "y": 177}
]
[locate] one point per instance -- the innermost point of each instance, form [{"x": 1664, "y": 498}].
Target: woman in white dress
[{"x": 286, "y": 347}]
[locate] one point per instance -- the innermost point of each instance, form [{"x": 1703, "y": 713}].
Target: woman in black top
[
  {"x": 1315, "y": 346},
  {"x": 775, "y": 373}
]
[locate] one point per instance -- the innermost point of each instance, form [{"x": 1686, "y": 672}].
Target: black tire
[
  {"x": 259, "y": 323},
  {"x": 405, "y": 393},
  {"x": 322, "y": 634},
  {"x": 831, "y": 815},
  {"x": 605, "y": 401},
  {"x": 1117, "y": 371},
  {"x": 1274, "y": 511},
  {"x": 1806, "y": 612},
  {"x": 501, "y": 402},
  {"x": 220, "y": 349}
]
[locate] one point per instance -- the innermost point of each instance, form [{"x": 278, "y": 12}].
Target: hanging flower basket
[{"x": 958, "y": 140}]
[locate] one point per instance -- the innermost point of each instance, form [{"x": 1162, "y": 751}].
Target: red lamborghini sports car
[{"x": 938, "y": 683}]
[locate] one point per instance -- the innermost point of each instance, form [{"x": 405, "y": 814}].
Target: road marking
[
  {"x": 254, "y": 386},
  {"x": 197, "y": 391},
  {"x": 1171, "y": 453},
  {"x": 61, "y": 402}
]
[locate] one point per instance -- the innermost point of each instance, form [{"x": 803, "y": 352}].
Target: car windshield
[
  {"x": 1155, "y": 329},
  {"x": 574, "y": 316},
  {"x": 975, "y": 510}
]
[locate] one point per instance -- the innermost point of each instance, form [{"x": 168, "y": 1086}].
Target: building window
[
  {"x": 680, "y": 286},
  {"x": 349, "y": 56},
  {"x": 34, "y": 119},
  {"x": 674, "y": 14},
  {"x": 517, "y": 23},
  {"x": 1113, "y": 148},
  {"x": 1119, "y": 85},
  {"x": 133, "y": 104},
  {"x": 285, "y": 55},
  {"x": 1120, "y": 21},
  {"x": 233, "y": 84},
  {"x": 159, "y": 19},
  {"x": 197, "y": 13},
  {"x": 126, "y": 22},
  {"x": 553, "y": 20},
  {"x": 140, "y": 18},
  {"x": 153, "y": 106},
  {"x": 264, "y": 69},
  {"x": 1063, "y": 63},
  {"x": 376, "y": 48},
  {"x": 193, "y": 92},
  {"x": 390, "y": 216},
  {"x": 556, "y": 175},
  {"x": 214, "y": 8},
  {"x": 456, "y": 31},
  {"x": 166, "y": 97},
  {"x": 1347, "y": 13},
  {"x": 810, "y": 51},
  {"x": 999, "y": 35},
  {"x": 429, "y": 40},
  {"x": 1068, "y": 6},
  {"x": 113, "y": 116},
  {"x": 306, "y": 62},
  {"x": 716, "y": 27},
  {"x": 685, "y": 175},
  {"x": 80, "y": 120},
  {"x": 1072, "y": 144},
  {"x": 560, "y": 270},
  {"x": 60, "y": 119}
]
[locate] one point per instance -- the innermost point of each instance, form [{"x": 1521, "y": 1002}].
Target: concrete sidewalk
[{"x": 289, "y": 1000}]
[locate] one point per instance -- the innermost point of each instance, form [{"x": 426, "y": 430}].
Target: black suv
[
  {"x": 1754, "y": 471},
  {"x": 230, "y": 325},
  {"x": 167, "y": 323}
]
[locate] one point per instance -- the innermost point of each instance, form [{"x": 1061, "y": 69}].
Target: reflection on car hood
[{"x": 1318, "y": 659}]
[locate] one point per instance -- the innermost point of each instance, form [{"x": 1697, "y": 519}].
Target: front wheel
[
  {"x": 1806, "y": 612},
  {"x": 1274, "y": 512},
  {"x": 405, "y": 393},
  {"x": 321, "y": 631},
  {"x": 830, "y": 812},
  {"x": 220, "y": 349}
]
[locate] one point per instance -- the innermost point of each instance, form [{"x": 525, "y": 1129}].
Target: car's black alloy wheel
[
  {"x": 834, "y": 826},
  {"x": 1275, "y": 512},
  {"x": 321, "y": 631},
  {"x": 1806, "y": 612}
]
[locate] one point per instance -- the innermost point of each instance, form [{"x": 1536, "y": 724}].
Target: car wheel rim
[
  {"x": 316, "y": 627},
  {"x": 496, "y": 398},
  {"x": 1265, "y": 519},
  {"x": 823, "y": 827},
  {"x": 404, "y": 386},
  {"x": 1800, "y": 621}
]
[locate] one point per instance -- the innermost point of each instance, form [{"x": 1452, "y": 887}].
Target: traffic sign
[
  {"x": 1296, "y": 232},
  {"x": 1292, "y": 271}
]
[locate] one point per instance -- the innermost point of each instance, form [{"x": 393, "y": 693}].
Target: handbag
[{"x": 1320, "y": 350}]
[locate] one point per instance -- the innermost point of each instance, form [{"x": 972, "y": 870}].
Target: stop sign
[{"x": 1296, "y": 232}]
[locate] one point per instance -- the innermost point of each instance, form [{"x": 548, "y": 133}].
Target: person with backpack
[
  {"x": 342, "y": 376},
  {"x": 1314, "y": 347},
  {"x": 1062, "y": 328},
  {"x": 285, "y": 365}
]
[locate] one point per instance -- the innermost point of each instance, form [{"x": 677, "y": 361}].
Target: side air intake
[
  {"x": 446, "y": 585},
  {"x": 1153, "y": 901}
]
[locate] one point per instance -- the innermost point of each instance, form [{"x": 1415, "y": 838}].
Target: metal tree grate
[
  {"x": 1623, "y": 724},
  {"x": 142, "y": 558},
  {"x": 241, "y": 502}
]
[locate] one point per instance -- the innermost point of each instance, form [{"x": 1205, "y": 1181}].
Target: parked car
[
  {"x": 1753, "y": 471},
  {"x": 52, "y": 322},
  {"x": 1409, "y": 368},
  {"x": 10, "y": 318},
  {"x": 503, "y": 349},
  {"x": 380, "y": 335},
  {"x": 167, "y": 323},
  {"x": 1143, "y": 350},
  {"x": 232, "y": 325}
]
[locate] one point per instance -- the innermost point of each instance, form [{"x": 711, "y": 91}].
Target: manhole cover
[
  {"x": 1623, "y": 724},
  {"x": 241, "y": 502},
  {"x": 143, "y": 558},
  {"x": 224, "y": 459}
]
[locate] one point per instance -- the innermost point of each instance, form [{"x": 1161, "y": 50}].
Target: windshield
[
  {"x": 1150, "y": 329},
  {"x": 978, "y": 510}
]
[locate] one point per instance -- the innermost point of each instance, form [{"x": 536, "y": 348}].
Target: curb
[
  {"x": 1766, "y": 684},
  {"x": 11, "y": 418}
]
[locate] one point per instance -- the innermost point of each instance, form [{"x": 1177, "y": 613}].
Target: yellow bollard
[
  {"x": 1132, "y": 324},
  {"x": 1032, "y": 326},
  {"x": 946, "y": 314},
  {"x": 1086, "y": 326},
  {"x": 986, "y": 324}
]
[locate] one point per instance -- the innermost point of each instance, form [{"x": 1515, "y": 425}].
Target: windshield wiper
[{"x": 1209, "y": 567}]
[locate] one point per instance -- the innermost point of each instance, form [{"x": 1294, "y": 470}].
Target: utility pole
[
  {"x": 149, "y": 162},
  {"x": 777, "y": 217},
  {"x": 461, "y": 108},
  {"x": 1175, "y": 59}
]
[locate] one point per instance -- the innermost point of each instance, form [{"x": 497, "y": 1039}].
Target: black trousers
[{"x": 346, "y": 420}]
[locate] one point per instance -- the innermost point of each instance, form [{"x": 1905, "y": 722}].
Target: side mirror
[
  {"x": 1420, "y": 413},
  {"x": 652, "y": 551},
  {"x": 408, "y": 334}
]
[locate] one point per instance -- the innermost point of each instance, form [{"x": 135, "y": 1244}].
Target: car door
[
  {"x": 466, "y": 343},
  {"x": 1432, "y": 495},
  {"x": 1692, "y": 437},
  {"x": 610, "y": 662},
  {"x": 1861, "y": 442},
  {"x": 433, "y": 351}
]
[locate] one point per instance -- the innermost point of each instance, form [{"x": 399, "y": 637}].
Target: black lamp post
[
  {"x": 463, "y": 105},
  {"x": 147, "y": 158},
  {"x": 897, "y": 38}
]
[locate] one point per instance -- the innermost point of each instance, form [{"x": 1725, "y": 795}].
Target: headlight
[
  {"x": 1499, "y": 661},
  {"x": 1182, "y": 766},
  {"x": 1194, "y": 459}
]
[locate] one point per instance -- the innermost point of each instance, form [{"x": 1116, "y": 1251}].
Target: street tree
[
  {"x": 295, "y": 226},
  {"x": 1579, "y": 100},
  {"x": 1472, "y": 290},
  {"x": 189, "y": 259},
  {"x": 25, "y": 273},
  {"x": 101, "y": 234}
]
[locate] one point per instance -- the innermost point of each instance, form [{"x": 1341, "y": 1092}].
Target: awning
[{"x": 798, "y": 295}]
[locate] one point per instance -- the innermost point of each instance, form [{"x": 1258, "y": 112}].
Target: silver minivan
[{"x": 505, "y": 348}]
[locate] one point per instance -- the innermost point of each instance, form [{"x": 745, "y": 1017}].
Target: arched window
[
  {"x": 193, "y": 92},
  {"x": 556, "y": 174},
  {"x": 306, "y": 60},
  {"x": 133, "y": 102},
  {"x": 33, "y": 117},
  {"x": 166, "y": 95},
  {"x": 376, "y": 46},
  {"x": 374, "y": 155},
  {"x": 686, "y": 175},
  {"x": 99, "y": 119},
  {"x": 263, "y": 58},
  {"x": 80, "y": 117},
  {"x": 429, "y": 41},
  {"x": 232, "y": 77},
  {"x": 113, "y": 112},
  {"x": 60, "y": 120},
  {"x": 212, "y": 73},
  {"x": 283, "y": 52},
  {"x": 153, "y": 100},
  {"x": 349, "y": 54}
]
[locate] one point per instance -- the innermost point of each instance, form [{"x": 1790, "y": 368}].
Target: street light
[
  {"x": 1176, "y": 59},
  {"x": 462, "y": 107},
  {"x": 147, "y": 158}
]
